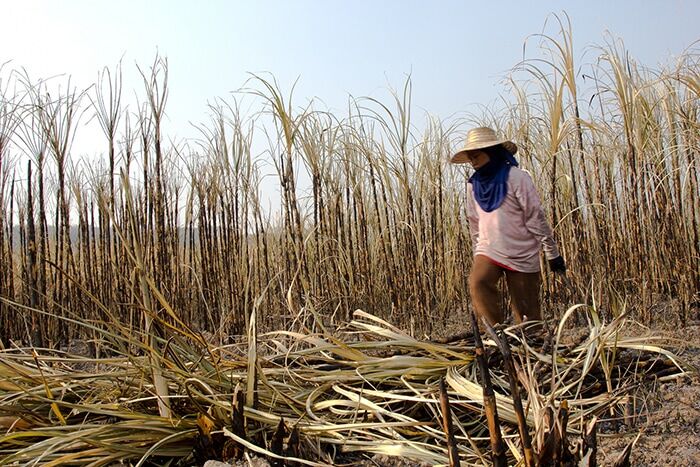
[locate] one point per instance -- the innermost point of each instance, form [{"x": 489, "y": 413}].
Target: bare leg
[
  {"x": 483, "y": 288},
  {"x": 524, "y": 290}
]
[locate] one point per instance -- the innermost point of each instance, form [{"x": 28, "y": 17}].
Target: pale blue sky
[{"x": 455, "y": 51}]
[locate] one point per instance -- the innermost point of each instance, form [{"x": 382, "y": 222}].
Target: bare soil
[{"x": 670, "y": 434}]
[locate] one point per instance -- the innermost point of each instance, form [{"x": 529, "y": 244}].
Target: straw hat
[{"x": 480, "y": 138}]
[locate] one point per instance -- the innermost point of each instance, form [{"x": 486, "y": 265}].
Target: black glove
[{"x": 557, "y": 265}]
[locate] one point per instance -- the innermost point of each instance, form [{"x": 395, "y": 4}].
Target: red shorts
[{"x": 500, "y": 265}]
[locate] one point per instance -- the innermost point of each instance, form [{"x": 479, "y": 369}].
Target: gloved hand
[{"x": 557, "y": 265}]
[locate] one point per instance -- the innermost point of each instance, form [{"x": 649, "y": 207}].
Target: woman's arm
[
  {"x": 473, "y": 216},
  {"x": 535, "y": 220}
]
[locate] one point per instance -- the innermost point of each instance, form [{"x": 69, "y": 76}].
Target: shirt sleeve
[
  {"x": 473, "y": 216},
  {"x": 535, "y": 220}
]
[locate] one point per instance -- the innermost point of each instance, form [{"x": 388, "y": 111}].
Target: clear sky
[{"x": 455, "y": 51}]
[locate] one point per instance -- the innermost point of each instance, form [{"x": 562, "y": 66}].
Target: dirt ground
[{"x": 670, "y": 436}]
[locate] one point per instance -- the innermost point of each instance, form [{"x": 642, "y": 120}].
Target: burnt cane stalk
[
  {"x": 447, "y": 425},
  {"x": 498, "y": 451},
  {"x": 504, "y": 347}
]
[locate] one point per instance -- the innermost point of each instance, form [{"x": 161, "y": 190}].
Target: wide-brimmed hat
[{"x": 481, "y": 138}]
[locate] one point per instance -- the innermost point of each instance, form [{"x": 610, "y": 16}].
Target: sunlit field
[{"x": 157, "y": 309}]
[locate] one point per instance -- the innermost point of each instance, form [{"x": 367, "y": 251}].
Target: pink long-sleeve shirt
[{"x": 513, "y": 233}]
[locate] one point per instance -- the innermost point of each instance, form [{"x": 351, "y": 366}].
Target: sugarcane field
[{"x": 373, "y": 284}]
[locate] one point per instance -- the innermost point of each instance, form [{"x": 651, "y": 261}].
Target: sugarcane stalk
[
  {"x": 562, "y": 451},
  {"x": 498, "y": 452},
  {"x": 623, "y": 459},
  {"x": 234, "y": 450},
  {"x": 550, "y": 441},
  {"x": 159, "y": 381},
  {"x": 447, "y": 425},
  {"x": 515, "y": 392},
  {"x": 252, "y": 380},
  {"x": 277, "y": 444},
  {"x": 589, "y": 447}
]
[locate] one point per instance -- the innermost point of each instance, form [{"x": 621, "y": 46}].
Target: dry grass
[{"x": 367, "y": 387}]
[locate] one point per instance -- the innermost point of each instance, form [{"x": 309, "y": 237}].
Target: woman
[{"x": 508, "y": 227}]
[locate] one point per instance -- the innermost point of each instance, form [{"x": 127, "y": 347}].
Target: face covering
[{"x": 490, "y": 181}]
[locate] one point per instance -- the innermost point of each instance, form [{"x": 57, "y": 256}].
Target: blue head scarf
[{"x": 490, "y": 181}]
